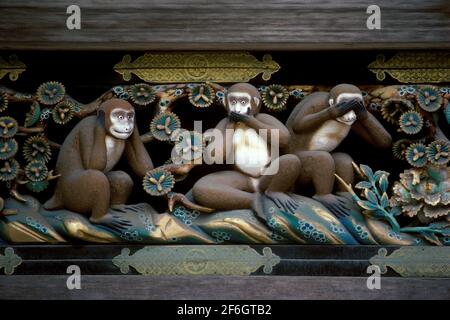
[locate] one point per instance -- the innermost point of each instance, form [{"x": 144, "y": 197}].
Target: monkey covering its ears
[
  {"x": 91, "y": 150},
  {"x": 317, "y": 125}
]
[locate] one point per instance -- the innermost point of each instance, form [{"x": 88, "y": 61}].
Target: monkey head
[
  {"x": 243, "y": 98},
  {"x": 345, "y": 93},
  {"x": 117, "y": 116}
]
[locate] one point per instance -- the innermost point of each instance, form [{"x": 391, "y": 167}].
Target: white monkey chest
[
  {"x": 251, "y": 153},
  {"x": 329, "y": 136},
  {"x": 114, "y": 151}
]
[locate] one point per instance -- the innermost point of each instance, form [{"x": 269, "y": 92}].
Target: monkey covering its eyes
[{"x": 318, "y": 124}]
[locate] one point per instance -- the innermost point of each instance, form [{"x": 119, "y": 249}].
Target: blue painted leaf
[
  {"x": 380, "y": 213},
  {"x": 370, "y": 195},
  {"x": 367, "y": 171},
  {"x": 384, "y": 183},
  {"x": 363, "y": 185},
  {"x": 396, "y": 211},
  {"x": 384, "y": 200},
  {"x": 367, "y": 205},
  {"x": 439, "y": 225},
  {"x": 431, "y": 237}
]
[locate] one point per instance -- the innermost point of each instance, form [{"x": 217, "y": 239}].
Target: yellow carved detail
[
  {"x": 414, "y": 67},
  {"x": 12, "y": 66},
  {"x": 182, "y": 67}
]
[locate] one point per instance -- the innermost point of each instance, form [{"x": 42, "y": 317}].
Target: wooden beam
[{"x": 224, "y": 24}]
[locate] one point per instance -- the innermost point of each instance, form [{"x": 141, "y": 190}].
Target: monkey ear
[
  {"x": 256, "y": 100},
  {"x": 331, "y": 101}
]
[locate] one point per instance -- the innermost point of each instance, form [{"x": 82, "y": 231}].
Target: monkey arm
[
  {"x": 268, "y": 122},
  {"x": 93, "y": 151},
  {"x": 305, "y": 120},
  {"x": 372, "y": 131},
  {"x": 137, "y": 156}
]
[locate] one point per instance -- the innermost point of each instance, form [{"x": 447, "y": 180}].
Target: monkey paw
[
  {"x": 113, "y": 221},
  {"x": 336, "y": 204},
  {"x": 283, "y": 201}
]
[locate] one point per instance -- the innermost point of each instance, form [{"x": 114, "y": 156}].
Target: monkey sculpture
[
  {"x": 89, "y": 153},
  {"x": 317, "y": 125},
  {"x": 243, "y": 187}
]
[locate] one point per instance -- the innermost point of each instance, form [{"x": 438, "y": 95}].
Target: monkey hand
[
  {"x": 335, "y": 204},
  {"x": 342, "y": 108},
  {"x": 360, "y": 109},
  {"x": 113, "y": 221},
  {"x": 183, "y": 200},
  {"x": 283, "y": 201},
  {"x": 239, "y": 117}
]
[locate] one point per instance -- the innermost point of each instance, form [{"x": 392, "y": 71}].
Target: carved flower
[
  {"x": 163, "y": 125},
  {"x": 423, "y": 192},
  {"x": 36, "y": 171},
  {"x": 416, "y": 155},
  {"x": 275, "y": 97},
  {"x": 392, "y": 109},
  {"x": 8, "y": 169},
  {"x": 399, "y": 148},
  {"x": 37, "y": 186},
  {"x": 201, "y": 96},
  {"x": 142, "y": 94},
  {"x": 438, "y": 152},
  {"x": 36, "y": 148},
  {"x": 8, "y": 127},
  {"x": 33, "y": 115},
  {"x": 411, "y": 122},
  {"x": 63, "y": 112},
  {"x": 3, "y": 102},
  {"x": 50, "y": 93},
  {"x": 158, "y": 182},
  {"x": 8, "y": 148},
  {"x": 429, "y": 98}
]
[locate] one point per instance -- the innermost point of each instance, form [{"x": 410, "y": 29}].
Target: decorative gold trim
[
  {"x": 182, "y": 67},
  {"x": 9, "y": 261},
  {"x": 415, "y": 261},
  {"x": 196, "y": 260},
  {"x": 12, "y": 66},
  {"x": 414, "y": 67}
]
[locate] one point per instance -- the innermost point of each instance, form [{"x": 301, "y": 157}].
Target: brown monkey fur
[
  {"x": 316, "y": 131},
  {"x": 86, "y": 185},
  {"x": 236, "y": 189}
]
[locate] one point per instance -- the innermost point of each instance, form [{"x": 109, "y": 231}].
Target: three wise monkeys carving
[{"x": 317, "y": 125}]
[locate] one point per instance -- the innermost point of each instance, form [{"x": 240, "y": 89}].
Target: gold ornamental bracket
[
  {"x": 12, "y": 66},
  {"x": 184, "y": 67},
  {"x": 415, "y": 261},
  {"x": 414, "y": 67},
  {"x": 196, "y": 260}
]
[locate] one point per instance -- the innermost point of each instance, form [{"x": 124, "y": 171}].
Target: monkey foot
[
  {"x": 336, "y": 204},
  {"x": 283, "y": 201},
  {"x": 113, "y": 221},
  {"x": 182, "y": 199}
]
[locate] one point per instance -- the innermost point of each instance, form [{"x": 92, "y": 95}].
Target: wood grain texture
[
  {"x": 216, "y": 287},
  {"x": 224, "y": 24}
]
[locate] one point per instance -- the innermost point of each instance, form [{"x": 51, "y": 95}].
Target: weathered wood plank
[
  {"x": 231, "y": 24},
  {"x": 215, "y": 287}
]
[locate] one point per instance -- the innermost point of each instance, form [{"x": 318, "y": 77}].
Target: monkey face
[
  {"x": 121, "y": 123},
  {"x": 239, "y": 102}
]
